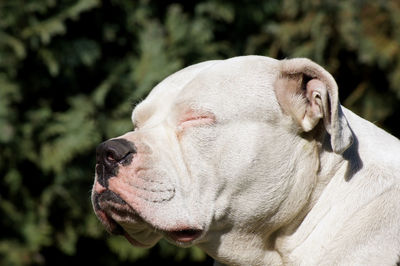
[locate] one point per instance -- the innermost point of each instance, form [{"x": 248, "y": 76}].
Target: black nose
[{"x": 114, "y": 151}]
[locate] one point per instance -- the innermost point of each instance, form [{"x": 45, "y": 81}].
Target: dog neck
[
  {"x": 271, "y": 241},
  {"x": 264, "y": 242},
  {"x": 332, "y": 169},
  {"x": 236, "y": 247}
]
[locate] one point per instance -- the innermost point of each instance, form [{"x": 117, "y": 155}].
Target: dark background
[{"x": 72, "y": 70}]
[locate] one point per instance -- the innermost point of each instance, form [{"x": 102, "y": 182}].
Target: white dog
[{"x": 255, "y": 161}]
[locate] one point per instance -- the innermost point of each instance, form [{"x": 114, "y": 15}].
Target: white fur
[{"x": 264, "y": 191}]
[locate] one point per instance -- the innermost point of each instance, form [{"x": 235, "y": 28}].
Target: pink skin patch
[
  {"x": 99, "y": 188},
  {"x": 136, "y": 181},
  {"x": 193, "y": 118},
  {"x": 196, "y": 118},
  {"x": 140, "y": 193},
  {"x": 141, "y": 186}
]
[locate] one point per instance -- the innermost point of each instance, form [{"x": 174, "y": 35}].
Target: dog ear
[{"x": 309, "y": 93}]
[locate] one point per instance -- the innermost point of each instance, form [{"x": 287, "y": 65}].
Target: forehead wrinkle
[
  {"x": 150, "y": 114},
  {"x": 141, "y": 113}
]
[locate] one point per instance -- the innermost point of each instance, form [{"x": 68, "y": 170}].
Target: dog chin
[
  {"x": 123, "y": 220},
  {"x": 144, "y": 235},
  {"x": 144, "y": 239}
]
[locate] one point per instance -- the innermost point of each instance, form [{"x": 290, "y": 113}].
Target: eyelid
[
  {"x": 203, "y": 118},
  {"x": 196, "y": 118}
]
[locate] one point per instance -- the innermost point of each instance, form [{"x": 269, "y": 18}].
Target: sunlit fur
[{"x": 264, "y": 185}]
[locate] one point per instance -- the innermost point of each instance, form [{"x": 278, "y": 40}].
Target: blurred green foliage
[{"x": 72, "y": 70}]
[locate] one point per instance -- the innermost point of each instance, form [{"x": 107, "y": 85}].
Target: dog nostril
[
  {"x": 113, "y": 151},
  {"x": 110, "y": 157}
]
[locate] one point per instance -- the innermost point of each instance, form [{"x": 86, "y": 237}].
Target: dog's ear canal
[{"x": 309, "y": 94}]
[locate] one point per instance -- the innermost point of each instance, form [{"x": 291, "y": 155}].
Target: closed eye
[
  {"x": 201, "y": 119},
  {"x": 193, "y": 118}
]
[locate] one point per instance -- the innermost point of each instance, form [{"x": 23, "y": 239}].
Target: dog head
[{"x": 220, "y": 150}]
